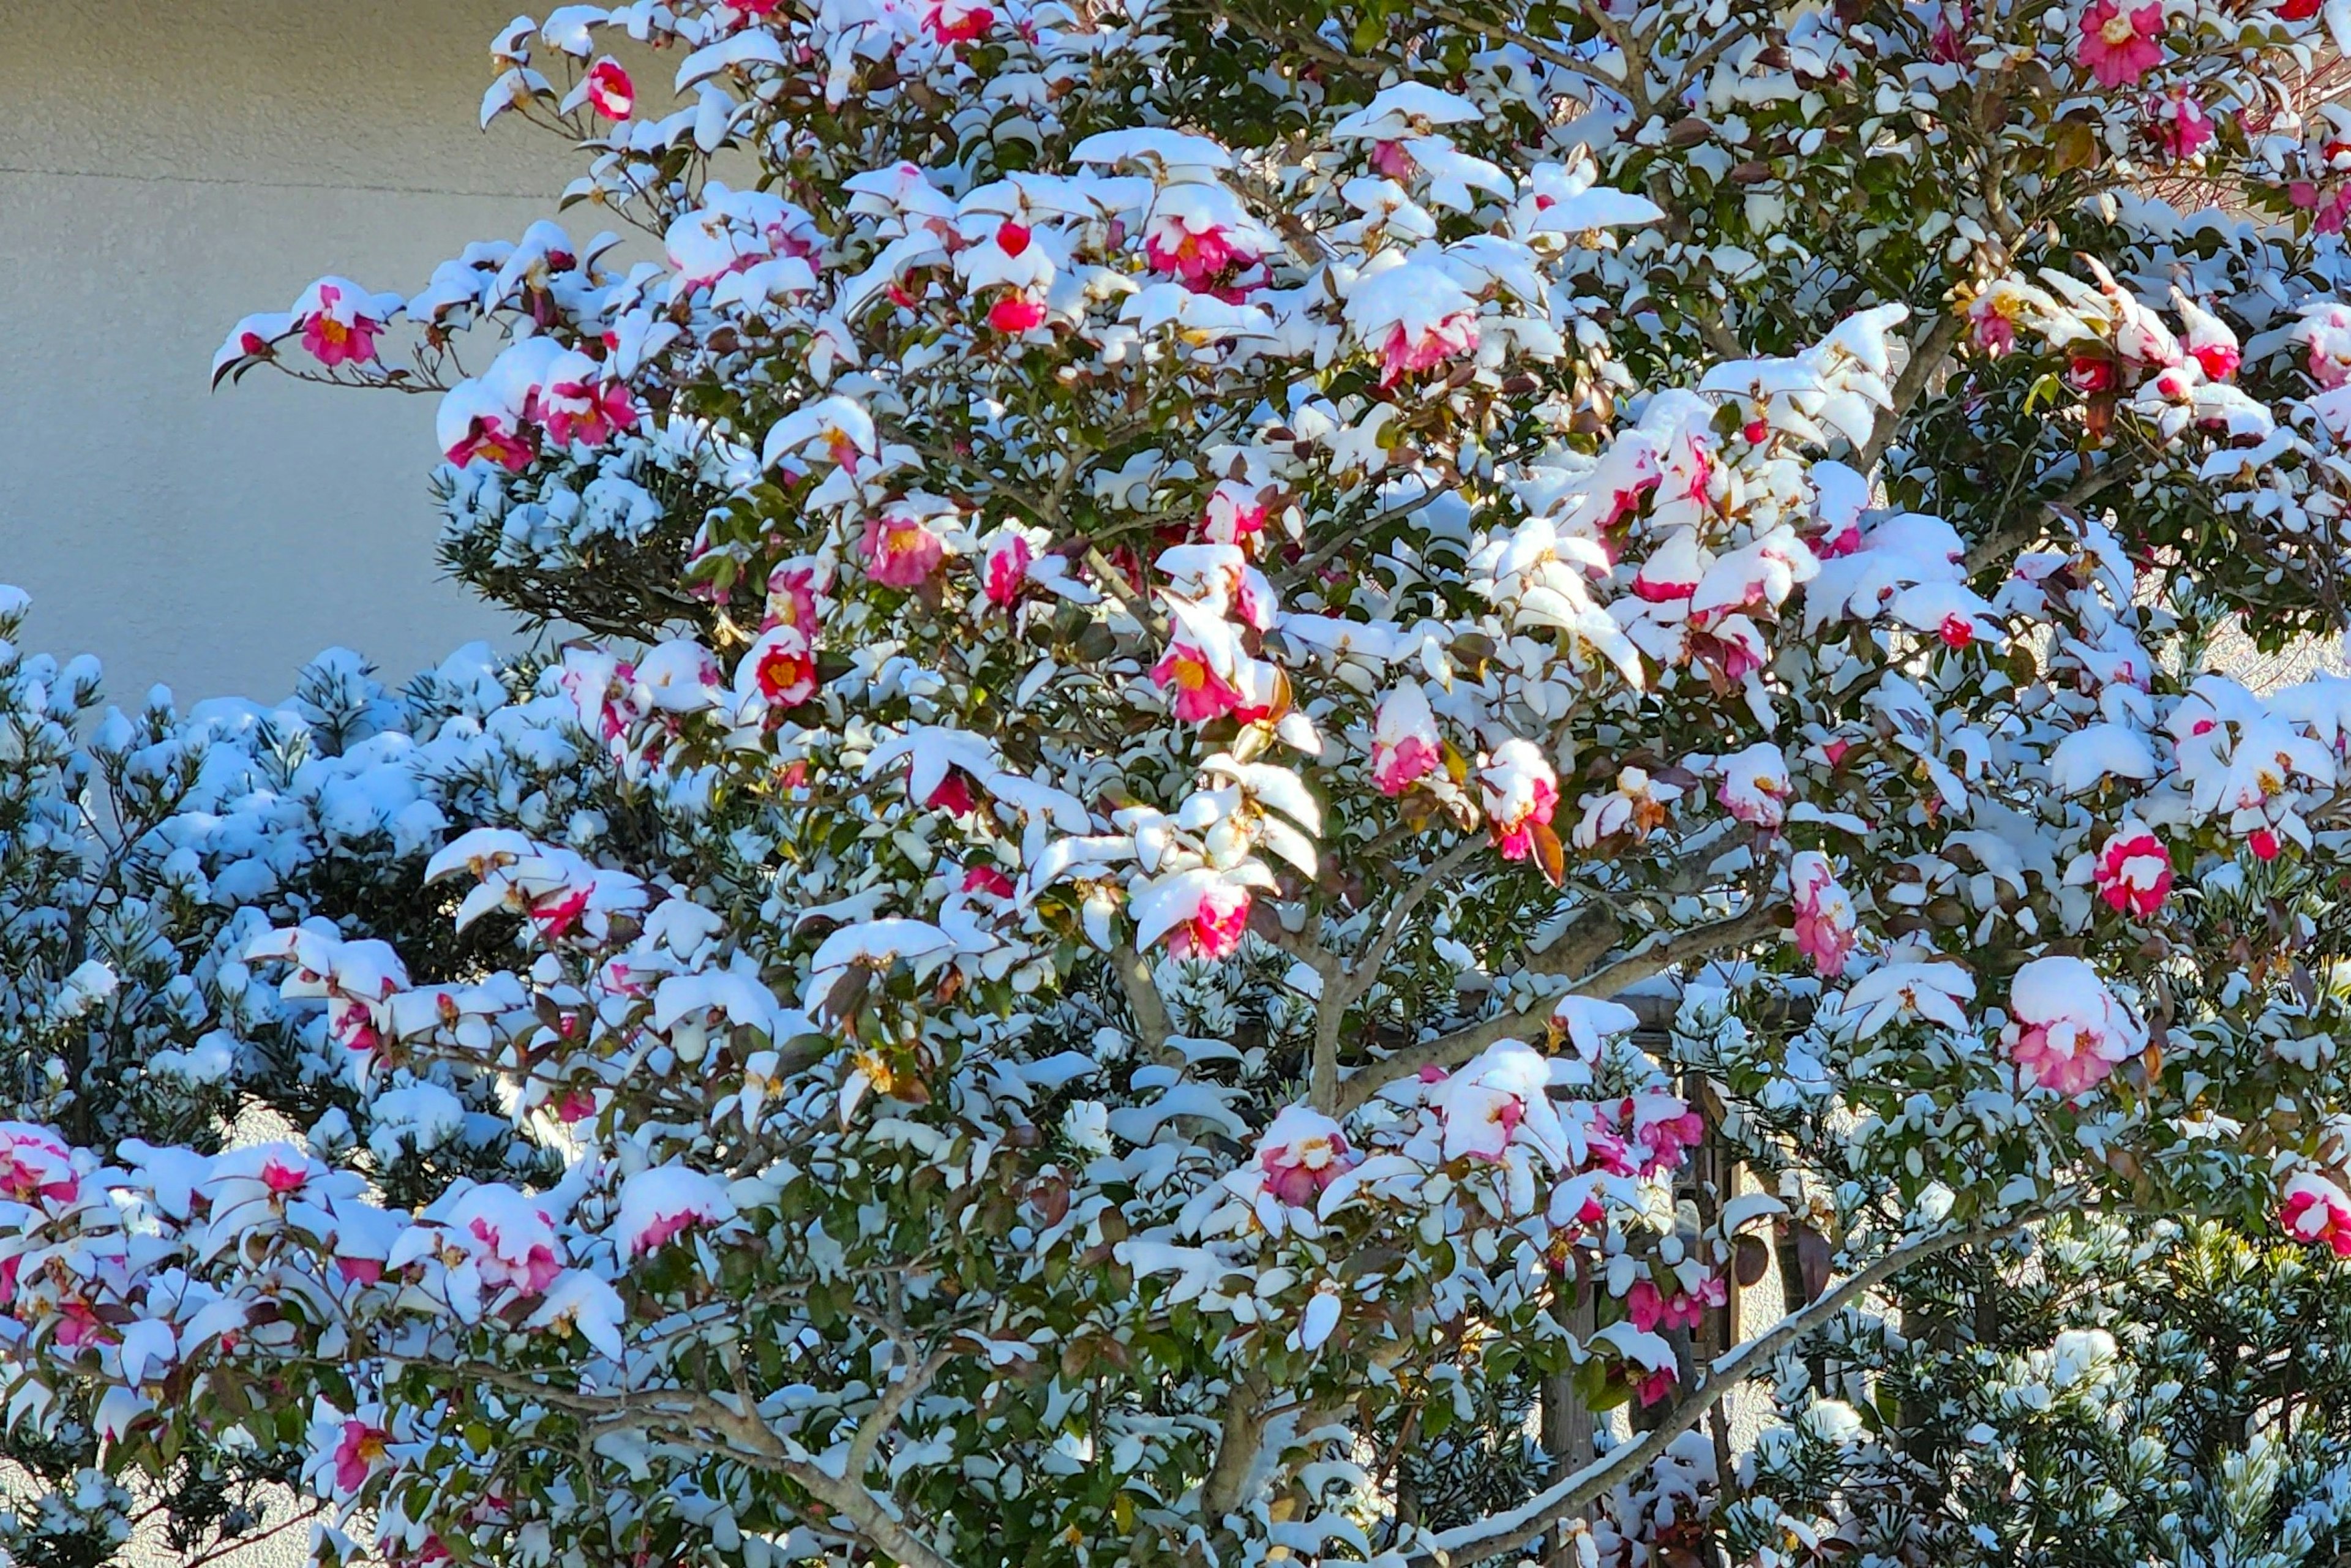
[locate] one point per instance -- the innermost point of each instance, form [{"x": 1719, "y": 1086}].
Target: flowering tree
[{"x": 1196, "y": 613}]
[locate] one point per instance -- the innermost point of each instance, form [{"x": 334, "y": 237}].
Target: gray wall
[{"x": 167, "y": 166}]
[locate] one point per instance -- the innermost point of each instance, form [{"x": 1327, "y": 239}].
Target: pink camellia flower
[
  {"x": 1994, "y": 329},
  {"x": 1656, "y": 1386},
  {"x": 780, "y": 667},
  {"x": 1015, "y": 314},
  {"x": 2118, "y": 45},
  {"x": 2318, "y": 1211},
  {"x": 2263, "y": 842},
  {"x": 1201, "y": 694},
  {"x": 791, "y": 598},
  {"x": 1217, "y": 924},
  {"x": 512, "y": 1240},
  {"x": 1665, "y": 1126},
  {"x": 1405, "y": 746},
  {"x": 1200, "y": 257},
  {"x": 957, "y": 21},
  {"x": 900, "y": 551},
  {"x": 1407, "y": 351},
  {"x": 2210, "y": 341},
  {"x": 1956, "y": 631},
  {"x": 2090, "y": 373},
  {"x": 2179, "y": 126},
  {"x": 281, "y": 1177},
  {"x": 1300, "y": 1154},
  {"x": 495, "y": 439},
  {"x": 610, "y": 93},
  {"x": 1755, "y": 784},
  {"x": 2065, "y": 1029},
  {"x": 591, "y": 413},
  {"x": 1499, "y": 1098},
  {"x": 360, "y": 1270},
  {"x": 1649, "y": 1307},
  {"x": 1824, "y": 919},
  {"x": 2133, "y": 872},
  {"x": 79, "y": 1325},
  {"x": 1521, "y": 791},
  {"x": 989, "y": 880},
  {"x": 359, "y": 1452},
  {"x": 576, "y": 1106},
  {"x": 1390, "y": 158},
  {"x": 1005, "y": 573},
  {"x": 336, "y": 334},
  {"x": 34, "y": 1163},
  {"x": 1234, "y": 515},
  {"x": 955, "y": 793},
  {"x": 659, "y": 1205}
]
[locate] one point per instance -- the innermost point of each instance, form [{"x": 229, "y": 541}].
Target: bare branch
[{"x": 1573, "y": 1493}]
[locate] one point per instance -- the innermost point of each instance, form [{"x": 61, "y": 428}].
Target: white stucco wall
[{"x": 167, "y": 166}]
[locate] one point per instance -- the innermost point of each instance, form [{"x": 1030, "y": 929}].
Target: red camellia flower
[{"x": 610, "y": 93}]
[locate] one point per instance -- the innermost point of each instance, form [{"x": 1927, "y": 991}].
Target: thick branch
[
  {"x": 1236, "y": 1448},
  {"x": 1926, "y": 358},
  {"x": 1573, "y": 1493},
  {"x": 1143, "y": 997},
  {"x": 1452, "y": 1050}
]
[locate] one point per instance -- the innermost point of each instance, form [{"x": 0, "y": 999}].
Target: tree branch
[
  {"x": 1573, "y": 1493},
  {"x": 1452, "y": 1050},
  {"x": 1926, "y": 358}
]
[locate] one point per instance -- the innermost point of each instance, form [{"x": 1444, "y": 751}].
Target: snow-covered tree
[{"x": 1188, "y": 616}]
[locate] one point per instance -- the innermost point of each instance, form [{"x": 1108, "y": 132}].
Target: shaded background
[{"x": 167, "y": 166}]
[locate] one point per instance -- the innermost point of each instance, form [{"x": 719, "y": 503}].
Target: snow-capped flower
[
  {"x": 2118, "y": 45},
  {"x": 1004, "y": 570},
  {"x": 1521, "y": 792},
  {"x": 1201, "y": 694},
  {"x": 779, "y": 669},
  {"x": 2065, "y": 1029},
  {"x": 1501, "y": 1097},
  {"x": 609, "y": 92},
  {"x": 2181, "y": 128},
  {"x": 1301, "y": 1153},
  {"x": 951, "y": 22},
  {"x": 1405, "y": 745},
  {"x": 659, "y": 1204},
  {"x": 1192, "y": 235},
  {"x": 340, "y": 321},
  {"x": 2318, "y": 1211},
  {"x": 1755, "y": 784},
  {"x": 1215, "y": 927},
  {"x": 900, "y": 551},
  {"x": 2134, "y": 872},
  {"x": 1233, "y": 516},
  {"x": 1413, "y": 316},
  {"x": 36, "y": 1163},
  {"x": 1824, "y": 927}
]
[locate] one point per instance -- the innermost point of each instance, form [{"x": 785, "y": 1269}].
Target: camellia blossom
[
  {"x": 2318, "y": 1211},
  {"x": 2134, "y": 872},
  {"x": 1825, "y": 926},
  {"x": 2119, "y": 46},
  {"x": 1014, "y": 314},
  {"x": 900, "y": 551},
  {"x": 1216, "y": 925},
  {"x": 34, "y": 1163},
  {"x": 337, "y": 328},
  {"x": 1201, "y": 695},
  {"x": 358, "y": 1452},
  {"x": 2180, "y": 126},
  {"x": 1521, "y": 792},
  {"x": 2066, "y": 1031},
  {"x": 1004, "y": 572},
  {"x": 780, "y": 667},
  {"x": 609, "y": 92},
  {"x": 1300, "y": 1154},
  {"x": 957, "y": 21},
  {"x": 1405, "y": 746}
]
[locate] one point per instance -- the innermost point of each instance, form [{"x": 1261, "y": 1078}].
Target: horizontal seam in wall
[{"x": 269, "y": 184}]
